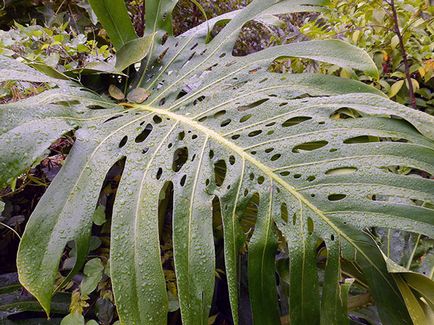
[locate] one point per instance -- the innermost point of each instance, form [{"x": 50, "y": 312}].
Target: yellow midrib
[{"x": 267, "y": 171}]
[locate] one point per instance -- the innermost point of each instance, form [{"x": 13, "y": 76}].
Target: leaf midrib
[{"x": 211, "y": 134}]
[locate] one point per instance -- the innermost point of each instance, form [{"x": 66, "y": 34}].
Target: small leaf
[
  {"x": 138, "y": 95},
  {"x": 394, "y": 42},
  {"x": 396, "y": 87},
  {"x": 93, "y": 273},
  {"x": 99, "y": 216},
  {"x": 73, "y": 319},
  {"x": 92, "y": 322},
  {"x": 356, "y": 36}
]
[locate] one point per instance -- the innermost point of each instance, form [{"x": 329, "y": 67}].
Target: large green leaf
[
  {"x": 113, "y": 16},
  {"x": 223, "y": 130}
]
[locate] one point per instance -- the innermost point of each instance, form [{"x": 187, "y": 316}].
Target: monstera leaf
[{"x": 309, "y": 154}]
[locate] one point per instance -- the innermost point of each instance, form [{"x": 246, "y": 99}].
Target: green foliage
[
  {"x": 368, "y": 24},
  {"x": 214, "y": 147},
  {"x": 54, "y": 46}
]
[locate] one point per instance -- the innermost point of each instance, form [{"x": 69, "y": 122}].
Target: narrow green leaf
[
  {"x": 334, "y": 295},
  {"x": 304, "y": 306},
  {"x": 413, "y": 304},
  {"x": 194, "y": 255},
  {"x": 158, "y": 16},
  {"x": 261, "y": 265},
  {"x": 113, "y": 16},
  {"x": 421, "y": 284},
  {"x": 233, "y": 238},
  {"x": 133, "y": 51},
  {"x": 331, "y": 51},
  {"x": 49, "y": 71}
]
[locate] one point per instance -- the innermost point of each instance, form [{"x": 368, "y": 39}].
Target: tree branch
[{"x": 412, "y": 96}]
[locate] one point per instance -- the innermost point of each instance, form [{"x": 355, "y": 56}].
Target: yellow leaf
[
  {"x": 421, "y": 71},
  {"x": 356, "y": 36},
  {"x": 396, "y": 87},
  {"x": 394, "y": 42}
]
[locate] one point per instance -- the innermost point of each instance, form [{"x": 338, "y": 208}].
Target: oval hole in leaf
[
  {"x": 284, "y": 212},
  {"x": 144, "y": 134},
  {"x": 310, "y": 226},
  {"x": 309, "y": 146},
  {"x": 252, "y": 105},
  {"x": 295, "y": 120},
  {"x": 220, "y": 170},
  {"x": 362, "y": 139},
  {"x": 123, "y": 142},
  {"x": 336, "y": 197},
  {"x": 180, "y": 157},
  {"x": 341, "y": 171}
]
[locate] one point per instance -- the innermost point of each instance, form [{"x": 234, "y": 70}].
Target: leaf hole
[
  {"x": 276, "y": 157},
  {"x": 157, "y": 119},
  {"x": 113, "y": 118},
  {"x": 309, "y": 146},
  {"x": 295, "y": 120},
  {"x": 254, "y": 133},
  {"x": 245, "y": 118},
  {"x": 284, "y": 212},
  {"x": 144, "y": 134},
  {"x": 198, "y": 100},
  {"x": 219, "y": 113},
  {"x": 310, "y": 226},
  {"x": 225, "y": 123},
  {"x": 159, "y": 173},
  {"x": 341, "y": 171},
  {"x": 123, "y": 141},
  {"x": 183, "y": 180},
  {"x": 220, "y": 170},
  {"x": 180, "y": 157},
  {"x": 252, "y": 105},
  {"x": 336, "y": 197}
]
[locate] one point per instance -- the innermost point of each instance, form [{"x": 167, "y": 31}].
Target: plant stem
[
  {"x": 403, "y": 53},
  {"x": 410, "y": 259}
]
